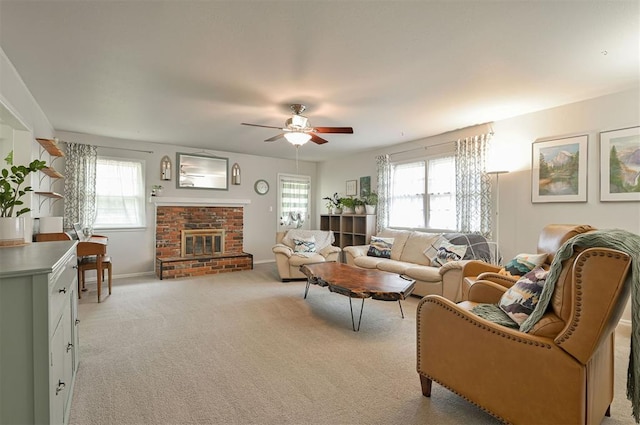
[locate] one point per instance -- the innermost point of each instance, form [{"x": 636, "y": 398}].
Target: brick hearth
[{"x": 171, "y": 220}]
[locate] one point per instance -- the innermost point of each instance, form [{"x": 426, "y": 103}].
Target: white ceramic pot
[
  {"x": 12, "y": 231},
  {"x": 347, "y": 210},
  {"x": 371, "y": 209},
  {"x": 337, "y": 210},
  {"x": 360, "y": 209}
]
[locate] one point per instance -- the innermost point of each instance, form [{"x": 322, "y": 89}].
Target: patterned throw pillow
[
  {"x": 304, "y": 244},
  {"x": 432, "y": 250},
  {"x": 524, "y": 263},
  {"x": 521, "y": 299},
  {"x": 380, "y": 247},
  {"x": 448, "y": 252}
]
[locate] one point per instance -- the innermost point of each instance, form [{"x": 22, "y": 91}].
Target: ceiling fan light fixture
[{"x": 297, "y": 138}]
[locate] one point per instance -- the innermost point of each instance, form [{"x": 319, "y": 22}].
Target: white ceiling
[{"x": 189, "y": 72}]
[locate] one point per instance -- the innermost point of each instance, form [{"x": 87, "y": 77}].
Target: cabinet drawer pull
[
  {"x": 69, "y": 347},
  {"x": 60, "y": 387},
  {"x": 62, "y": 291}
]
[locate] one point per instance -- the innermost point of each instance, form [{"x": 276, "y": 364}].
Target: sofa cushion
[
  {"x": 367, "y": 262},
  {"x": 380, "y": 247},
  {"x": 448, "y": 252},
  {"x": 416, "y": 244},
  {"x": 399, "y": 239},
  {"x": 521, "y": 299},
  {"x": 424, "y": 273},
  {"x": 298, "y": 260},
  {"x": 393, "y": 266}
]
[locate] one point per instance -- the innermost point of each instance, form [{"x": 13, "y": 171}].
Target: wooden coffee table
[{"x": 355, "y": 282}]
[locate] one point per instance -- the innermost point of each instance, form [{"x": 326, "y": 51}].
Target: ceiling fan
[{"x": 297, "y": 130}]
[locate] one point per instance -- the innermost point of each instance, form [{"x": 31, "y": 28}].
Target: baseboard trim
[{"x": 119, "y": 276}]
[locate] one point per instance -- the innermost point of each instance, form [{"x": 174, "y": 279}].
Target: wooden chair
[{"x": 92, "y": 256}]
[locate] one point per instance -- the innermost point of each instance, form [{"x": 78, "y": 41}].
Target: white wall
[
  {"x": 133, "y": 251},
  {"x": 520, "y": 220}
]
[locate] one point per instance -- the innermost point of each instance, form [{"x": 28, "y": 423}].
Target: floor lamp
[{"x": 497, "y": 173}]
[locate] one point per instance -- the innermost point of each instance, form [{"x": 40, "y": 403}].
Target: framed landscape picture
[
  {"x": 620, "y": 165},
  {"x": 559, "y": 170}
]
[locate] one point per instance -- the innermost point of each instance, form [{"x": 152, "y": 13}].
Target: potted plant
[
  {"x": 370, "y": 202},
  {"x": 156, "y": 190},
  {"x": 12, "y": 179},
  {"x": 359, "y": 206},
  {"x": 334, "y": 203},
  {"x": 348, "y": 205}
]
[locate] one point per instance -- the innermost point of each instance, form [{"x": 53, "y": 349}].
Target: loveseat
[
  {"x": 296, "y": 247},
  {"x": 413, "y": 253}
]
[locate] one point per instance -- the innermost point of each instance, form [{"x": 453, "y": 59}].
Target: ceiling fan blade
[
  {"x": 344, "y": 130},
  {"x": 263, "y": 126},
  {"x": 274, "y": 138},
  {"x": 318, "y": 140}
]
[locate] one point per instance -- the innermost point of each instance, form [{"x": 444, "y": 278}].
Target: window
[
  {"x": 423, "y": 194},
  {"x": 120, "y": 193},
  {"x": 294, "y": 193}
]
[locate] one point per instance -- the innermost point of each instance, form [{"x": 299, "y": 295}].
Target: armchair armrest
[
  {"x": 328, "y": 250},
  {"x": 282, "y": 249},
  {"x": 476, "y": 267},
  {"x": 500, "y": 279},
  {"x": 352, "y": 252},
  {"x": 486, "y": 292}
]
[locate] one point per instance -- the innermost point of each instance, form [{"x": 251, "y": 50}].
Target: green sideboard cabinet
[{"x": 38, "y": 332}]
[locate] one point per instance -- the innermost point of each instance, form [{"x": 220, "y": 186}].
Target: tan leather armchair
[
  {"x": 560, "y": 372},
  {"x": 551, "y": 238}
]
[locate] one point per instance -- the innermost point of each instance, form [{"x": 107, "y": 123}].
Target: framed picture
[
  {"x": 559, "y": 170},
  {"x": 620, "y": 165},
  {"x": 352, "y": 188},
  {"x": 365, "y": 186}
]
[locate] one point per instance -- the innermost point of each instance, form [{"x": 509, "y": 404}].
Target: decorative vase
[
  {"x": 371, "y": 209},
  {"x": 336, "y": 210},
  {"x": 360, "y": 209},
  {"x": 347, "y": 210},
  {"x": 12, "y": 231}
]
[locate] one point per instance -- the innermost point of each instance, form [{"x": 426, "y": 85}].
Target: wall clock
[{"x": 261, "y": 187}]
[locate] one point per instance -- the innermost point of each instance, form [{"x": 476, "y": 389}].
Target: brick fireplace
[{"x": 214, "y": 234}]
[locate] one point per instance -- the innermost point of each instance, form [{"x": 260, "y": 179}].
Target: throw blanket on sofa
[
  {"x": 323, "y": 239},
  {"x": 615, "y": 239}
]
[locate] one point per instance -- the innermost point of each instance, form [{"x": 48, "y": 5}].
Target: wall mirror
[{"x": 202, "y": 172}]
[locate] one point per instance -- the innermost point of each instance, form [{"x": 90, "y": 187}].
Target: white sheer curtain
[
  {"x": 384, "y": 191},
  {"x": 120, "y": 193},
  {"x": 80, "y": 185},
  {"x": 406, "y": 208},
  {"x": 473, "y": 186},
  {"x": 294, "y": 201}
]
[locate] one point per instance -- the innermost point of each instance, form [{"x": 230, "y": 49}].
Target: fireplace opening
[{"x": 201, "y": 242}]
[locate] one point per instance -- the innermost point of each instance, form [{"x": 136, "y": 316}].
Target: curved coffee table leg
[
  {"x": 401, "y": 312},
  {"x": 353, "y": 325}
]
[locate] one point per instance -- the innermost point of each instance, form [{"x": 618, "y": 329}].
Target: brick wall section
[{"x": 170, "y": 220}]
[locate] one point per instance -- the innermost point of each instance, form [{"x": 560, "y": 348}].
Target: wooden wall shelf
[
  {"x": 49, "y": 195},
  {"x": 51, "y": 172},
  {"x": 50, "y": 146}
]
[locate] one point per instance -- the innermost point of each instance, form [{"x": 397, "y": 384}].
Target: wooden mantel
[{"x": 194, "y": 202}]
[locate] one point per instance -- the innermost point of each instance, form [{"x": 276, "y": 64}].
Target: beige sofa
[
  {"x": 408, "y": 257},
  {"x": 288, "y": 261}
]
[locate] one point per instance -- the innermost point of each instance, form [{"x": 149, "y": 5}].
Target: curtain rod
[
  {"x": 124, "y": 149},
  {"x": 442, "y": 143}
]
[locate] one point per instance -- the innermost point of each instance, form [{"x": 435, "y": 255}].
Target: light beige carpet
[{"x": 245, "y": 348}]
